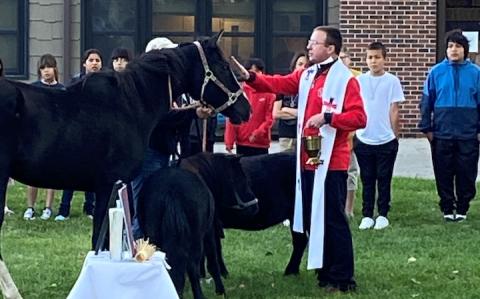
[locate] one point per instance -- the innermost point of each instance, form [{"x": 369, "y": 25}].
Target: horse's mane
[
  {"x": 27, "y": 86},
  {"x": 159, "y": 62},
  {"x": 165, "y": 61}
]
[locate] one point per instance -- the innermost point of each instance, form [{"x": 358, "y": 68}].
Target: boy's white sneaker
[
  {"x": 366, "y": 223},
  {"x": 29, "y": 214},
  {"x": 46, "y": 214},
  {"x": 381, "y": 222},
  {"x": 449, "y": 217}
]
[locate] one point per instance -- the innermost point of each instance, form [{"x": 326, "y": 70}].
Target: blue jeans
[
  {"x": 152, "y": 162},
  {"x": 67, "y": 196}
]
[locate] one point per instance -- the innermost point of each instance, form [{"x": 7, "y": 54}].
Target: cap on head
[{"x": 159, "y": 43}]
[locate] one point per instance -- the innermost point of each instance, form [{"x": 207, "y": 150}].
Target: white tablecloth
[{"x": 102, "y": 278}]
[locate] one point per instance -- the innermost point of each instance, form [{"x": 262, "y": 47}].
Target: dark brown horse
[{"x": 96, "y": 132}]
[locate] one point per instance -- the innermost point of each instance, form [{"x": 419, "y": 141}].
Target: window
[
  {"x": 293, "y": 22},
  {"x": 269, "y": 29},
  {"x": 174, "y": 19},
  {"x": 237, "y": 18},
  {"x": 462, "y": 15},
  {"x": 13, "y": 37},
  {"x": 112, "y": 23}
]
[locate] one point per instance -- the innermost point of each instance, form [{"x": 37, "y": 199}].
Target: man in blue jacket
[{"x": 450, "y": 118}]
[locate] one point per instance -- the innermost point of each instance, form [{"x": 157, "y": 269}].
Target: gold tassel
[{"x": 145, "y": 250}]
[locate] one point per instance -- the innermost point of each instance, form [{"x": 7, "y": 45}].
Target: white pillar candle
[{"x": 116, "y": 227}]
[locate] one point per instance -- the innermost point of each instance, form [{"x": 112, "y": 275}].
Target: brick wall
[{"x": 408, "y": 29}]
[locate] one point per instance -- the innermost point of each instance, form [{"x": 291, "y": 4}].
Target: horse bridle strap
[{"x": 209, "y": 76}]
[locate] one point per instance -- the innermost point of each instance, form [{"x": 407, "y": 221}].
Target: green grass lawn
[{"x": 45, "y": 257}]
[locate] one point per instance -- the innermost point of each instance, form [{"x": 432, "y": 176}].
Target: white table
[{"x": 102, "y": 278}]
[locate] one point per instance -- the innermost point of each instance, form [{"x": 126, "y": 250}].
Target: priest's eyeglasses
[{"x": 312, "y": 42}]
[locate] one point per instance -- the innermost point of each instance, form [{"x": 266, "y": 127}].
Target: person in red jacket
[
  {"x": 330, "y": 106},
  {"x": 253, "y": 137}
]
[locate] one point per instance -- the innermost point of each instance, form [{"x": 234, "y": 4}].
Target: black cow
[{"x": 176, "y": 210}]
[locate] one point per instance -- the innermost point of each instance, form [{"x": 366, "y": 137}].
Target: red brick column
[{"x": 408, "y": 29}]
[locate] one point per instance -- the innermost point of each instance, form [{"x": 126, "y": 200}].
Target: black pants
[
  {"x": 67, "y": 197},
  {"x": 250, "y": 150},
  {"x": 455, "y": 164},
  {"x": 376, "y": 169},
  {"x": 338, "y": 264}
]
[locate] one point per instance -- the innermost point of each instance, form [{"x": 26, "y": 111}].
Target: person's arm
[
  {"x": 229, "y": 136},
  {"x": 292, "y": 112},
  {"x": 397, "y": 97},
  {"x": 427, "y": 104},
  {"x": 175, "y": 117},
  {"x": 394, "y": 118},
  {"x": 280, "y": 112},
  {"x": 351, "y": 118},
  {"x": 477, "y": 95},
  {"x": 276, "y": 84},
  {"x": 267, "y": 119},
  {"x": 426, "y": 107}
]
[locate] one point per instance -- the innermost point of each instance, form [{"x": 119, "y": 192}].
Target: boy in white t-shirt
[{"x": 377, "y": 144}]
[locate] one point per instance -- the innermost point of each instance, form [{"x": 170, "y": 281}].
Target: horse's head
[
  {"x": 226, "y": 180},
  {"x": 215, "y": 84},
  {"x": 237, "y": 196}
]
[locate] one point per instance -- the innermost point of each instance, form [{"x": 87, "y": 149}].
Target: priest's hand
[{"x": 315, "y": 121}]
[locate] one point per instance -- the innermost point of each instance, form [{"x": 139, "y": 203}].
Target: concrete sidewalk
[{"x": 413, "y": 159}]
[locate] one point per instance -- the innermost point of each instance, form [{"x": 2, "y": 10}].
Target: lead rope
[
  {"x": 170, "y": 92},
  {"x": 204, "y": 135}
]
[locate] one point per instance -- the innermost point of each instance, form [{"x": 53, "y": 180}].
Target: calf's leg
[
  {"x": 193, "y": 269},
  {"x": 300, "y": 242},
  {"x": 212, "y": 261},
  {"x": 219, "y": 235}
]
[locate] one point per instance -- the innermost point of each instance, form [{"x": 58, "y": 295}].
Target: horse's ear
[{"x": 216, "y": 38}]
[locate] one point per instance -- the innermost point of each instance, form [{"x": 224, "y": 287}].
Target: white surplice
[{"x": 334, "y": 88}]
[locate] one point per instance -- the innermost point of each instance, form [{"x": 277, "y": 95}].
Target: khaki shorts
[
  {"x": 287, "y": 144},
  {"x": 352, "y": 179}
]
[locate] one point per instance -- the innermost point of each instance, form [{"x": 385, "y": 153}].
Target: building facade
[{"x": 271, "y": 29}]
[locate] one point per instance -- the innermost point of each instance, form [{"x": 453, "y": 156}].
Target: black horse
[
  {"x": 272, "y": 180},
  {"x": 96, "y": 132},
  {"x": 177, "y": 208}
]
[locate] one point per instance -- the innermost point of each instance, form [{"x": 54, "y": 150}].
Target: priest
[{"x": 330, "y": 106}]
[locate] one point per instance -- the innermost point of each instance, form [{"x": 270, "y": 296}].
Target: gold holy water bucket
[{"x": 312, "y": 145}]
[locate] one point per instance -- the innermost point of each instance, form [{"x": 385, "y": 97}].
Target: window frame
[
  {"x": 21, "y": 32},
  {"x": 203, "y": 26}
]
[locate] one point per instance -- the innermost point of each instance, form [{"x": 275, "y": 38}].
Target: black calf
[
  {"x": 272, "y": 180},
  {"x": 174, "y": 200},
  {"x": 176, "y": 212}
]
